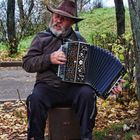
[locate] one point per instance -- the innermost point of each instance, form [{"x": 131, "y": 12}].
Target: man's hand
[
  {"x": 118, "y": 89},
  {"x": 58, "y": 57}
]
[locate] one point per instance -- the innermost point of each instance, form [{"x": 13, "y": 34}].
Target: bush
[{"x": 123, "y": 48}]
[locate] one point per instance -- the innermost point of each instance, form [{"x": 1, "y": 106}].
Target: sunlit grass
[{"x": 102, "y": 20}]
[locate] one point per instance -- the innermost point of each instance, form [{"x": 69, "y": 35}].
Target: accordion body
[{"x": 92, "y": 65}]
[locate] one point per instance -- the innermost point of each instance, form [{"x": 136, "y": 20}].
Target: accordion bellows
[{"x": 92, "y": 65}]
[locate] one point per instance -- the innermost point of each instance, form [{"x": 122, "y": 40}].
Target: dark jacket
[{"x": 38, "y": 57}]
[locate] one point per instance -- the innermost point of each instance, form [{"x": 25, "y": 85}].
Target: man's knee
[
  {"x": 32, "y": 103},
  {"x": 31, "y": 99},
  {"x": 87, "y": 92}
]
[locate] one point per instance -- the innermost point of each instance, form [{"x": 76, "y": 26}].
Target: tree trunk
[
  {"x": 120, "y": 16},
  {"x": 134, "y": 8},
  {"x": 11, "y": 31},
  {"x": 21, "y": 10}
]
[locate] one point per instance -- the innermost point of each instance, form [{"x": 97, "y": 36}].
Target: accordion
[{"x": 92, "y": 65}]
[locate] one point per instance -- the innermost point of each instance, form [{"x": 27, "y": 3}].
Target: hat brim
[{"x": 63, "y": 13}]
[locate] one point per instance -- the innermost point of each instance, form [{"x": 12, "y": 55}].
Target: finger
[
  {"x": 60, "y": 62},
  {"x": 62, "y": 55},
  {"x": 62, "y": 59},
  {"x": 117, "y": 89},
  {"x": 122, "y": 81},
  {"x": 114, "y": 91}
]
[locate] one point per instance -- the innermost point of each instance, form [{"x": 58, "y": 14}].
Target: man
[{"x": 44, "y": 57}]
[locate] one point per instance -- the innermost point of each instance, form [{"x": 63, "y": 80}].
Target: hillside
[{"x": 100, "y": 20}]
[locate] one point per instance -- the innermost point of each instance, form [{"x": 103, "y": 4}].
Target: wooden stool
[{"x": 63, "y": 124}]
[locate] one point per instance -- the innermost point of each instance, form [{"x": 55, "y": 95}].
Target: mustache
[
  {"x": 55, "y": 32},
  {"x": 61, "y": 27}
]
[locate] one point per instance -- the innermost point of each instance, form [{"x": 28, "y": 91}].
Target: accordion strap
[{"x": 78, "y": 35}]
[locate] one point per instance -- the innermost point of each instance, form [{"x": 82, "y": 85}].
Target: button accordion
[{"x": 92, "y": 65}]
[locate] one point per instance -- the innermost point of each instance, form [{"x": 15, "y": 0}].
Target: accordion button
[
  {"x": 79, "y": 70},
  {"x": 80, "y": 62}
]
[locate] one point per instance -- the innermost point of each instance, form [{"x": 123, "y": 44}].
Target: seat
[{"x": 63, "y": 124}]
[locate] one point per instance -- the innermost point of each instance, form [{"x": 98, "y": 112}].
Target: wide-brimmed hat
[{"x": 66, "y": 8}]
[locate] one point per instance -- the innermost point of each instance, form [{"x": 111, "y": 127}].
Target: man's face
[{"x": 59, "y": 24}]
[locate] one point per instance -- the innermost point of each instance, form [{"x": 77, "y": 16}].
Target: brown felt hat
[{"x": 66, "y": 8}]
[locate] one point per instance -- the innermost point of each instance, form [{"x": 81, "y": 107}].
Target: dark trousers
[{"x": 82, "y": 99}]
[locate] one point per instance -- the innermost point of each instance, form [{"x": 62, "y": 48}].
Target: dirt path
[{"x": 14, "y": 80}]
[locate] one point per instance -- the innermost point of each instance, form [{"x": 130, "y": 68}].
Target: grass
[
  {"x": 3, "y": 47},
  {"x": 25, "y": 43},
  {"x": 114, "y": 132},
  {"x": 22, "y": 49},
  {"x": 100, "y": 20}
]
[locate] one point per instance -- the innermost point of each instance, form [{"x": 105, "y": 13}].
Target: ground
[{"x": 14, "y": 124}]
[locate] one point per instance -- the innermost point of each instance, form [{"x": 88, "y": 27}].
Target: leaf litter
[{"x": 13, "y": 121}]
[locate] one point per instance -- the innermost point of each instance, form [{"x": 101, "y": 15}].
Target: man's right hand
[{"x": 58, "y": 57}]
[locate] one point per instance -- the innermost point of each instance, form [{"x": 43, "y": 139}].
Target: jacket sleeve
[{"x": 35, "y": 60}]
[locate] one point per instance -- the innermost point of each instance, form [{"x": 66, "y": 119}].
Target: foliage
[
  {"x": 114, "y": 132},
  {"x": 3, "y": 46},
  {"x": 24, "y": 18},
  {"x": 102, "y": 21},
  {"x": 122, "y": 48},
  {"x": 25, "y": 43},
  {"x": 13, "y": 120},
  {"x": 102, "y": 32},
  {"x": 110, "y": 115},
  {"x": 112, "y": 119},
  {"x": 22, "y": 49}
]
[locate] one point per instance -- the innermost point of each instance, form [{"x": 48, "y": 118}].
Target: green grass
[
  {"x": 114, "y": 131},
  {"x": 100, "y": 20},
  {"x": 22, "y": 49},
  {"x": 3, "y": 47},
  {"x": 25, "y": 43}
]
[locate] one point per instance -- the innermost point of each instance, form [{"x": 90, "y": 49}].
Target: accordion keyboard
[{"x": 74, "y": 70}]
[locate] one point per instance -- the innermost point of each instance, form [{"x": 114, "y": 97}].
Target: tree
[
  {"x": 97, "y": 3},
  {"x": 134, "y": 8},
  {"x": 120, "y": 16},
  {"x": 20, "y": 25},
  {"x": 81, "y": 4},
  {"x": 11, "y": 31},
  {"x": 24, "y": 16},
  {"x": 2, "y": 21},
  {"x": 22, "y": 20}
]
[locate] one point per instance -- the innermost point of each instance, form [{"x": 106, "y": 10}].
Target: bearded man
[{"x": 43, "y": 57}]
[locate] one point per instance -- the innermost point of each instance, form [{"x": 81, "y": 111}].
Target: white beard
[{"x": 56, "y": 32}]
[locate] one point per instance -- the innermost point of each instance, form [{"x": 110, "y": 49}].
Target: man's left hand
[{"x": 118, "y": 89}]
